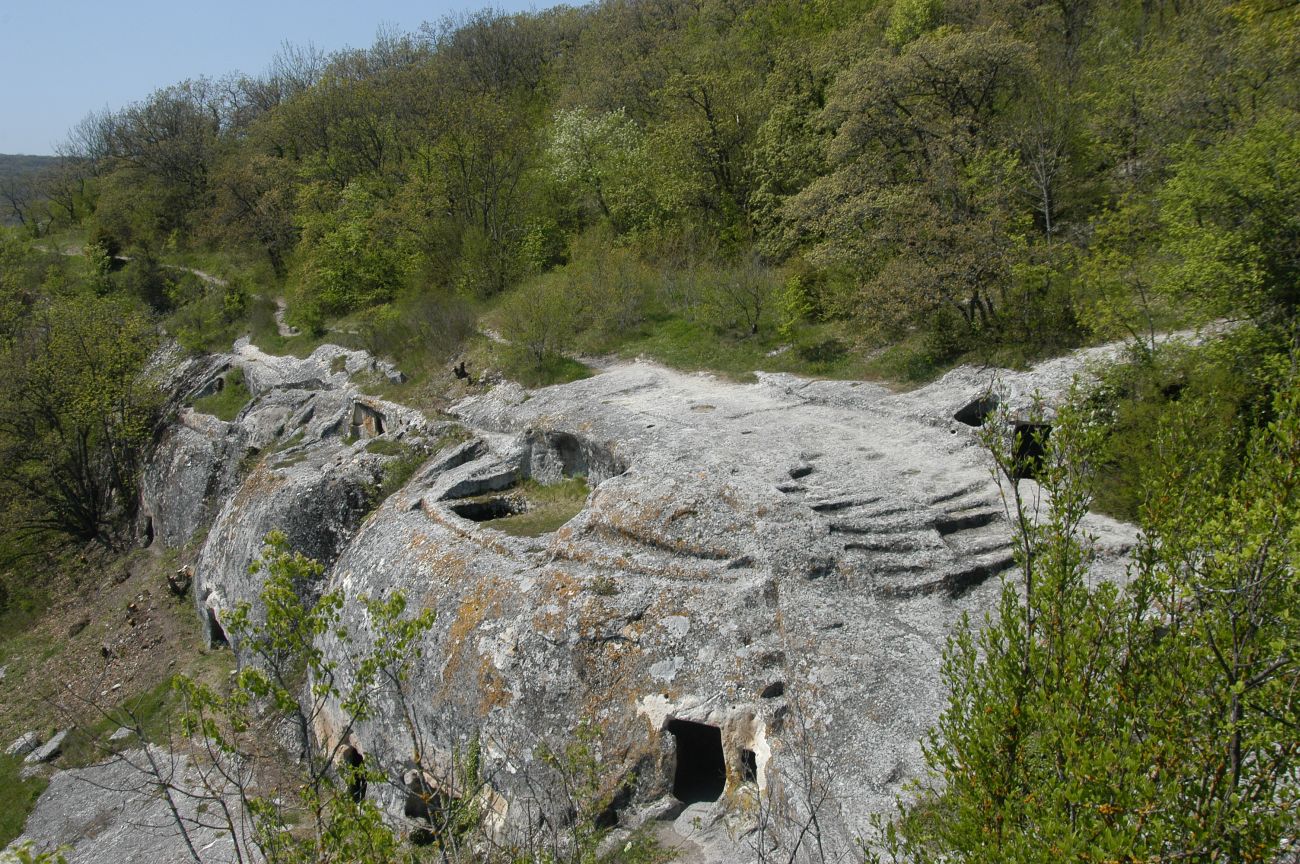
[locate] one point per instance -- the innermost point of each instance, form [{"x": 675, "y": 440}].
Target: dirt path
[{"x": 283, "y": 327}]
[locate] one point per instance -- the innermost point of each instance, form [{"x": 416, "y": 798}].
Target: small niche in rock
[
  {"x": 489, "y": 509},
  {"x": 366, "y": 421},
  {"x": 530, "y": 510},
  {"x": 216, "y": 633},
  {"x": 773, "y": 691},
  {"x": 352, "y": 767},
  {"x": 701, "y": 772},
  {"x": 1030, "y": 446},
  {"x": 976, "y": 412},
  {"x": 426, "y": 806},
  {"x": 748, "y": 766},
  {"x": 148, "y": 531},
  {"x": 556, "y": 455}
]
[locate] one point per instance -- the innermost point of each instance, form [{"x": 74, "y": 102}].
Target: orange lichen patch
[
  {"x": 645, "y": 533},
  {"x": 493, "y": 692},
  {"x": 557, "y": 592},
  {"x": 474, "y": 607}
]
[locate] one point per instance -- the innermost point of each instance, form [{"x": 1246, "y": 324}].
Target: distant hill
[{"x": 16, "y": 165}]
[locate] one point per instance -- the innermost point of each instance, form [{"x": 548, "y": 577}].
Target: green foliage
[
  {"x": 17, "y": 798},
  {"x": 76, "y": 415},
  {"x": 1102, "y": 723},
  {"x": 1233, "y": 214},
  {"x": 289, "y": 672},
  {"x": 908, "y": 19},
  {"x": 351, "y": 256},
  {"x": 603, "y": 158},
  {"x": 1222, "y": 389},
  {"x": 24, "y": 855},
  {"x": 405, "y": 461},
  {"x": 226, "y": 403}
]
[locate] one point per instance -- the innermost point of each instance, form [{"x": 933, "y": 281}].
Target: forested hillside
[
  {"x": 999, "y": 177},
  {"x": 841, "y": 188}
]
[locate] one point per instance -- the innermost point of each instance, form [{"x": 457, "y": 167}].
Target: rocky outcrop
[
  {"x": 115, "y": 812},
  {"x": 299, "y": 458},
  {"x": 750, "y": 609}
]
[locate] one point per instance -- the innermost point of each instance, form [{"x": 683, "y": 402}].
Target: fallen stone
[
  {"x": 23, "y": 744},
  {"x": 121, "y": 734},
  {"x": 48, "y": 751}
]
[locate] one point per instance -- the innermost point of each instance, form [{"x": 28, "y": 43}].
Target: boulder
[
  {"x": 113, "y": 812},
  {"x": 48, "y": 751},
  {"x": 24, "y": 744},
  {"x": 752, "y": 603}
]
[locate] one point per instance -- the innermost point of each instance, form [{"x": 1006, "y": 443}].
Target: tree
[
  {"x": 1233, "y": 217},
  {"x": 76, "y": 413},
  {"x": 601, "y": 156},
  {"x": 922, "y": 199}
]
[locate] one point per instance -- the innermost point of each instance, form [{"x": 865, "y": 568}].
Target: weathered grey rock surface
[
  {"x": 114, "y": 813},
  {"x": 778, "y": 562},
  {"x": 752, "y": 603},
  {"x": 24, "y": 744}
]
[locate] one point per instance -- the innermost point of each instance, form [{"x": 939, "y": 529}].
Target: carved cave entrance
[
  {"x": 352, "y": 764},
  {"x": 977, "y": 411},
  {"x": 701, "y": 772},
  {"x": 216, "y": 633},
  {"x": 1029, "y": 449},
  {"x": 489, "y": 509}
]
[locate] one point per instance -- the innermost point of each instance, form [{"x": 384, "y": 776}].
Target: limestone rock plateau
[{"x": 751, "y": 604}]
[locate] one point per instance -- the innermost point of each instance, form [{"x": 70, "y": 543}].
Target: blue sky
[{"x": 60, "y": 59}]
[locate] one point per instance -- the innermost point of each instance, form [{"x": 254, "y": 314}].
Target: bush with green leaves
[
  {"x": 285, "y": 673},
  {"x": 1149, "y": 722}
]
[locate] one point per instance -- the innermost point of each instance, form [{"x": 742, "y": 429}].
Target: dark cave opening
[
  {"x": 701, "y": 772},
  {"x": 354, "y": 775},
  {"x": 216, "y": 633},
  {"x": 748, "y": 766},
  {"x": 426, "y": 806},
  {"x": 974, "y": 413},
  {"x": 1030, "y": 446},
  {"x": 489, "y": 509}
]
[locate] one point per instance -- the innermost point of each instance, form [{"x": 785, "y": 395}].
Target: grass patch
[
  {"x": 226, "y": 403},
  {"x": 811, "y": 350},
  {"x": 404, "y": 460},
  {"x": 23, "y": 607},
  {"x": 17, "y": 798},
  {"x": 154, "y": 712},
  {"x": 387, "y": 447},
  {"x": 519, "y": 365},
  {"x": 549, "y": 507}
]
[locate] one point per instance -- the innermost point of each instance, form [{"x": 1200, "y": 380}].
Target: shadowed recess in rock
[
  {"x": 974, "y": 413},
  {"x": 216, "y": 633},
  {"x": 489, "y": 509},
  {"x": 1030, "y": 448},
  {"x": 352, "y": 767},
  {"x": 701, "y": 772}
]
